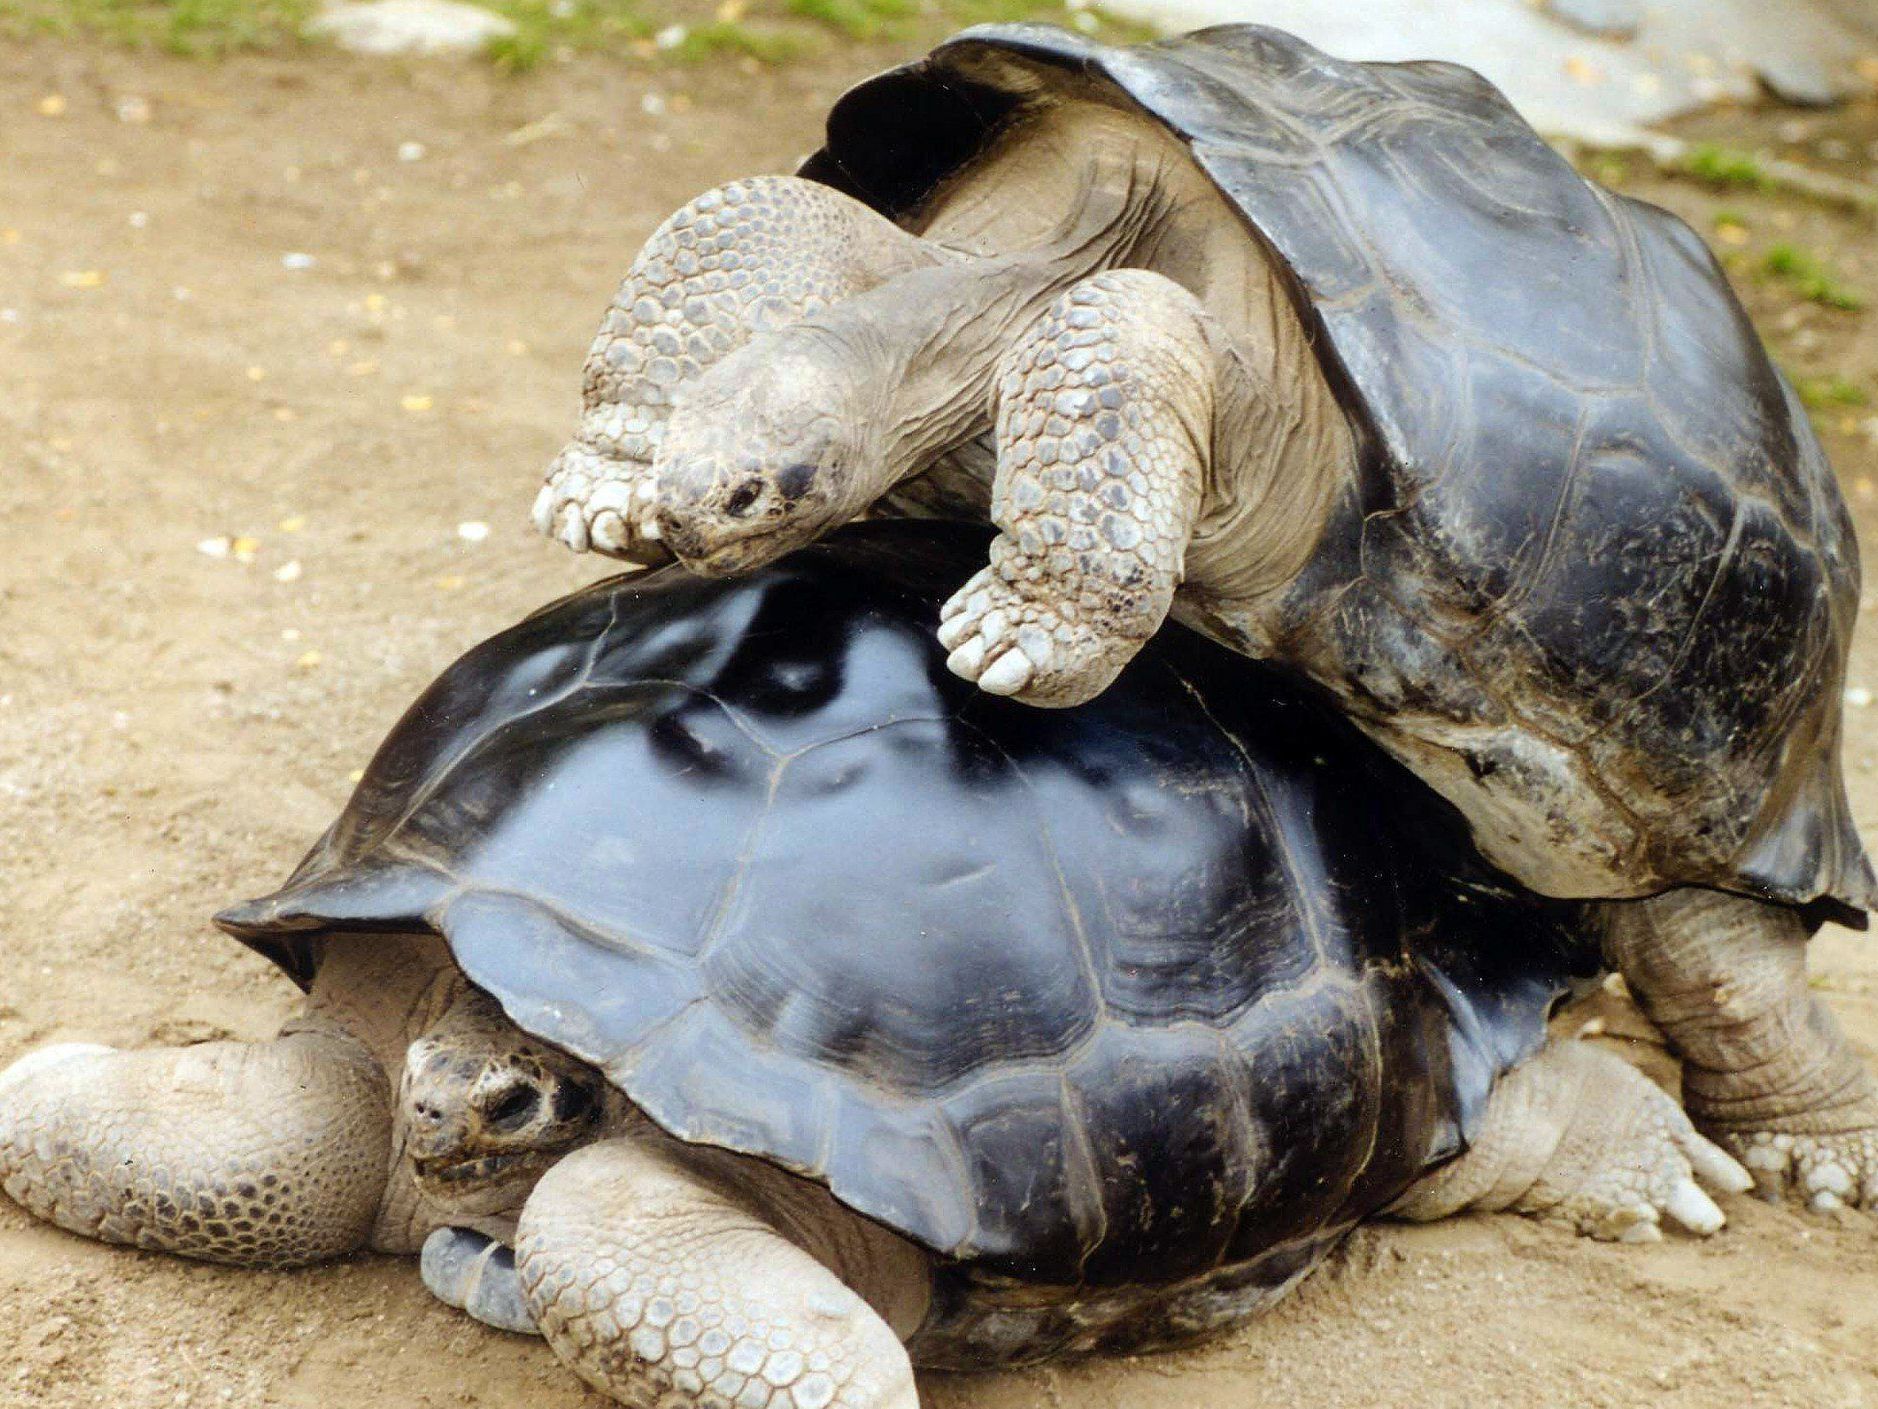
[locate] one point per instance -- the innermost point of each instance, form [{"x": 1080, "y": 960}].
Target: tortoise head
[
  {"x": 765, "y": 453},
  {"x": 484, "y": 1110}
]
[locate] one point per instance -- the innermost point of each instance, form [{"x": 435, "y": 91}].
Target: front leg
[
  {"x": 672, "y": 1278},
  {"x": 746, "y": 258},
  {"x": 1105, "y": 429},
  {"x": 264, "y": 1154},
  {"x": 1766, "y": 1071},
  {"x": 1578, "y": 1136}
]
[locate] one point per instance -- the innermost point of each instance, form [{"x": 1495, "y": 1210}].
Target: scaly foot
[
  {"x": 1011, "y": 635},
  {"x": 1579, "y": 1136},
  {"x": 600, "y": 502},
  {"x": 1827, "y": 1171},
  {"x": 1766, "y": 1071}
]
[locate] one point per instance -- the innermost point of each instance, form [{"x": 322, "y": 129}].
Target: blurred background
[{"x": 293, "y": 301}]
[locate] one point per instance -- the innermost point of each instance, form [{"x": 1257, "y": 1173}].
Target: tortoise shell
[
  {"x": 1188, "y": 977},
  {"x": 1595, "y": 581}
]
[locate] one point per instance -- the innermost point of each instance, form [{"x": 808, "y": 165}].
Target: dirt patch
[{"x": 176, "y": 727}]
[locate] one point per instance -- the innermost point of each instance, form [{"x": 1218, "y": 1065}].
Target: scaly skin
[
  {"x": 1766, "y": 1071},
  {"x": 1105, "y": 407},
  {"x": 745, "y": 258},
  {"x": 1579, "y": 1136},
  {"x": 277, "y": 1154},
  {"x": 269, "y": 1155},
  {"x": 659, "y": 1286}
]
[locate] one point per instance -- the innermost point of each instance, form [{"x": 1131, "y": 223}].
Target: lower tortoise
[{"x": 704, "y": 977}]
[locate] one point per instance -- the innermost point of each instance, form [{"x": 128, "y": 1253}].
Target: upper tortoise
[
  {"x": 781, "y": 998},
  {"x": 1347, "y": 368}
]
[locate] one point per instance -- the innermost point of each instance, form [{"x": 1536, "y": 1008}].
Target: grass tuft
[
  {"x": 855, "y": 19},
  {"x": 1727, "y": 167},
  {"x": 1809, "y": 277},
  {"x": 1832, "y": 391},
  {"x": 196, "y": 28},
  {"x": 766, "y": 31}
]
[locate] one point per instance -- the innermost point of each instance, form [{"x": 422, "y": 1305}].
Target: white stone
[
  {"x": 1565, "y": 82},
  {"x": 390, "y": 27}
]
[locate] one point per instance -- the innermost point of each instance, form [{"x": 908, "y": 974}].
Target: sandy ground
[{"x": 175, "y": 728}]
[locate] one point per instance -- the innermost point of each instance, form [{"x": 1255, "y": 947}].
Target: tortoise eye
[
  {"x": 742, "y": 497},
  {"x": 513, "y": 1108}
]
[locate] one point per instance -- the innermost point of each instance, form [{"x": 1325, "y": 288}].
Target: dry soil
[{"x": 176, "y": 727}]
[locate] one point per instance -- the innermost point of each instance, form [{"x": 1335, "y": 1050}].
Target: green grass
[
  {"x": 856, "y": 19},
  {"x": 198, "y": 28},
  {"x": 1830, "y": 392},
  {"x": 770, "y": 31},
  {"x": 1727, "y": 167},
  {"x": 1809, "y": 277}
]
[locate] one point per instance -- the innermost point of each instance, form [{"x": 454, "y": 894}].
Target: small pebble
[
  {"x": 288, "y": 571},
  {"x": 671, "y": 36},
  {"x": 416, "y": 403},
  {"x": 139, "y": 220},
  {"x": 244, "y": 548},
  {"x": 472, "y": 530},
  {"x": 83, "y": 278},
  {"x": 215, "y": 547},
  {"x": 297, "y": 260},
  {"x": 308, "y": 660},
  {"x": 133, "y": 109},
  {"x": 411, "y": 151},
  {"x": 652, "y": 105},
  {"x": 293, "y": 523},
  {"x": 52, "y": 105},
  {"x": 1858, "y": 697}
]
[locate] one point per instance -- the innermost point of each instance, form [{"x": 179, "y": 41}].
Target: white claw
[
  {"x": 609, "y": 494},
  {"x": 1715, "y": 1167},
  {"x": 574, "y": 528},
  {"x": 954, "y": 605},
  {"x": 609, "y": 531},
  {"x": 1825, "y": 1201},
  {"x": 954, "y": 629},
  {"x": 543, "y": 512},
  {"x": 968, "y": 661},
  {"x": 1008, "y": 674},
  {"x": 649, "y": 527},
  {"x": 1642, "y": 1231},
  {"x": 1693, "y": 1209}
]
